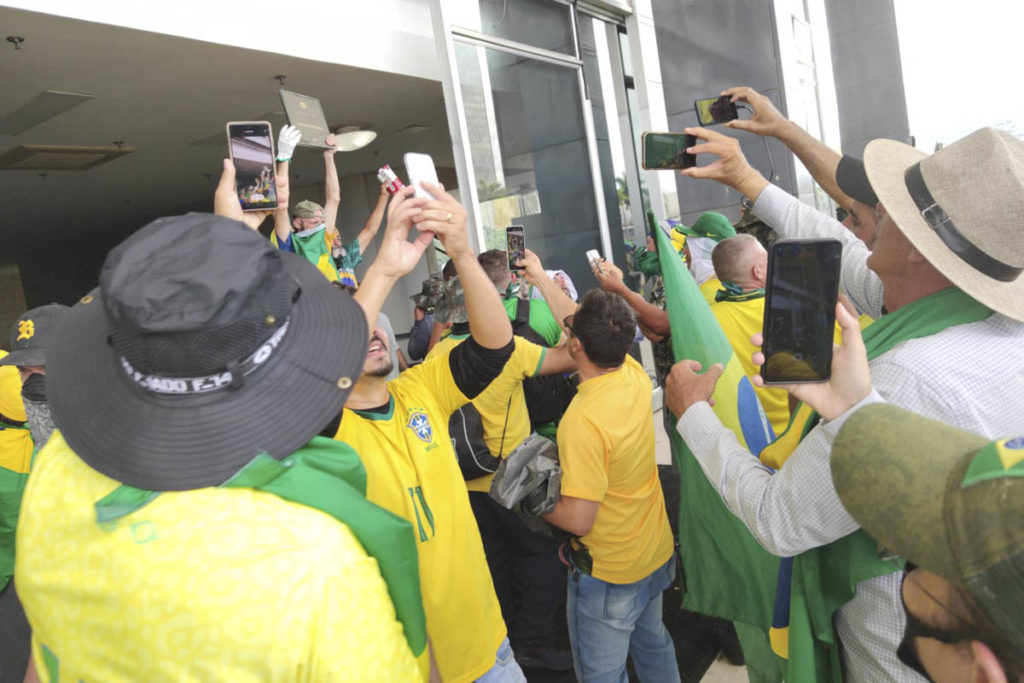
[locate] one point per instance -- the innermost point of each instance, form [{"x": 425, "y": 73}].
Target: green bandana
[
  {"x": 646, "y": 261},
  {"x": 733, "y": 292},
  {"x": 326, "y": 475}
]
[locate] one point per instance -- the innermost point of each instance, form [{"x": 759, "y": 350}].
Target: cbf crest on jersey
[{"x": 419, "y": 423}]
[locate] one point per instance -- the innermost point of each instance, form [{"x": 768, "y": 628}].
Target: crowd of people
[{"x": 218, "y": 464}]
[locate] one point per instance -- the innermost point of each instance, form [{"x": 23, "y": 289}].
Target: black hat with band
[{"x": 202, "y": 348}]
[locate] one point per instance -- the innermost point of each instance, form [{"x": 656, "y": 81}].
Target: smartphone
[
  {"x": 593, "y": 257},
  {"x": 667, "y": 150},
  {"x": 715, "y": 110},
  {"x": 800, "y": 310},
  {"x": 515, "y": 246},
  {"x": 251, "y": 146},
  {"x": 420, "y": 167}
]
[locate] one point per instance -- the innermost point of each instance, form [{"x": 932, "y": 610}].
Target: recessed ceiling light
[
  {"x": 43, "y": 108},
  {"x": 59, "y": 157}
]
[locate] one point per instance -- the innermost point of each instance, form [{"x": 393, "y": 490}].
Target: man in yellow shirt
[
  {"x": 170, "y": 529},
  {"x": 524, "y": 565},
  {"x": 622, "y": 557},
  {"x": 741, "y": 264},
  {"x": 400, "y": 428}
]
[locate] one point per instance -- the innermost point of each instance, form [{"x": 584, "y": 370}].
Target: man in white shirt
[{"x": 947, "y": 232}]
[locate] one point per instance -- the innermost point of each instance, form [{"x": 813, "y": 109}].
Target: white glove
[{"x": 286, "y": 141}]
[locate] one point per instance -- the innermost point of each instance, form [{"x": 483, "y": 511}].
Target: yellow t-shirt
[
  {"x": 606, "y": 448},
  {"x": 739, "y": 320},
  {"x": 224, "y": 584},
  {"x": 503, "y": 397},
  {"x": 412, "y": 471},
  {"x": 710, "y": 288}
]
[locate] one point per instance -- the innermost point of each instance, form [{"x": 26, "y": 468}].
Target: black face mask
[
  {"x": 34, "y": 388},
  {"x": 906, "y": 652}
]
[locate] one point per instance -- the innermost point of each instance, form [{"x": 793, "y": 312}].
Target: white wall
[{"x": 384, "y": 35}]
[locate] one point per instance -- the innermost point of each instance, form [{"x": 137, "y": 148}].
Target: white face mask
[{"x": 311, "y": 231}]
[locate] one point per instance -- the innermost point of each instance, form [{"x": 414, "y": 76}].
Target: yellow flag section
[{"x": 727, "y": 573}]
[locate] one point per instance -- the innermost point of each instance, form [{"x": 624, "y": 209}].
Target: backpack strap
[{"x": 522, "y": 312}]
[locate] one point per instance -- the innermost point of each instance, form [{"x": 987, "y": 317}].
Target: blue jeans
[
  {"x": 608, "y": 621},
  {"x": 506, "y": 668}
]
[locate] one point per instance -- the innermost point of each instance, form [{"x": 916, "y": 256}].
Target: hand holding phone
[
  {"x": 667, "y": 151},
  {"x": 251, "y": 148},
  {"x": 515, "y": 247},
  {"x": 714, "y": 110},
  {"x": 594, "y": 258},
  {"x": 420, "y": 167},
  {"x": 799, "y": 313}
]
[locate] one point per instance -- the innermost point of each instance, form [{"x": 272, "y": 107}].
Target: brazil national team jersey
[
  {"x": 606, "y": 448},
  {"x": 412, "y": 471},
  {"x": 214, "y": 584},
  {"x": 502, "y": 405}
]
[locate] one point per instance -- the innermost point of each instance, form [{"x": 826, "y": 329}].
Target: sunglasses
[{"x": 567, "y": 323}]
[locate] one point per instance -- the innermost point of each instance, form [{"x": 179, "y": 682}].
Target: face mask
[
  {"x": 647, "y": 262},
  {"x": 37, "y": 410},
  {"x": 513, "y": 290},
  {"x": 311, "y": 231}
]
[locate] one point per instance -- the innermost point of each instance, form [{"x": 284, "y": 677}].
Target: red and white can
[{"x": 390, "y": 179}]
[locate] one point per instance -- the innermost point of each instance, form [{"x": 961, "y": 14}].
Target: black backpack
[
  {"x": 547, "y": 396},
  {"x": 467, "y": 433}
]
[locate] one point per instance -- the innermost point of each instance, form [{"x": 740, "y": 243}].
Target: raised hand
[
  {"x": 287, "y": 139},
  {"x": 850, "y": 381},
  {"x": 225, "y": 199},
  {"x": 609, "y": 276},
  {"x": 446, "y": 218},
  {"x": 398, "y": 256},
  {"x": 767, "y": 120},
  {"x": 684, "y": 386},
  {"x": 730, "y": 168}
]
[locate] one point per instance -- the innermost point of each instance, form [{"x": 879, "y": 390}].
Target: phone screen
[
  {"x": 715, "y": 110},
  {"x": 515, "y": 242},
  {"x": 420, "y": 167},
  {"x": 668, "y": 151},
  {"x": 800, "y": 310},
  {"x": 252, "y": 153}
]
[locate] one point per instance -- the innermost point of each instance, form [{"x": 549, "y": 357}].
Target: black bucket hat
[{"x": 202, "y": 348}]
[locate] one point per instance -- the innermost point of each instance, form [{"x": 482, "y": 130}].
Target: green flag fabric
[{"x": 726, "y": 573}]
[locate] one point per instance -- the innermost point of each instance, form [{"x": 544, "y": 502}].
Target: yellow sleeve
[
  {"x": 584, "y": 458},
  {"x": 357, "y": 636},
  {"x": 436, "y": 374},
  {"x": 528, "y": 357}
]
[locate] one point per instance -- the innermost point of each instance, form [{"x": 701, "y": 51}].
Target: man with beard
[
  {"x": 31, "y": 334},
  {"x": 400, "y": 429}
]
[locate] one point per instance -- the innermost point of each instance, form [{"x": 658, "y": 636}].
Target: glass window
[
  {"x": 529, "y": 154},
  {"x": 540, "y": 23}
]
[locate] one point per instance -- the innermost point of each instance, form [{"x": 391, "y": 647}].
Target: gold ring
[{"x": 448, "y": 218}]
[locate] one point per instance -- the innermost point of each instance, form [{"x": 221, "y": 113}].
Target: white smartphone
[
  {"x": 420, "y": 167},
  {"x": 594, "y": 257}
]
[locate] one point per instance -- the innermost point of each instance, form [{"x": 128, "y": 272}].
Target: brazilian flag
[{"x": 727, "y": 574}]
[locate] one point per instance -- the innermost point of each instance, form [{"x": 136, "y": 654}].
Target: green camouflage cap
[
  {"x": 306, "y": 209},
  {"x": 710, "y": 224},
  {"x": 452, "y": 306},
  {"x": 431, "y": 292},
  {"x": 947, "y": 500}
]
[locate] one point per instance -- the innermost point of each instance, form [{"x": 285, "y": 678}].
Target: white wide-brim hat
[{"x": 962, "y": 208}]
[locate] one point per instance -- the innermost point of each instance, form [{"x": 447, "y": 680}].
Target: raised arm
[
  {"x": 444, "y": 216},
  {"x": 332, "y": 188},
  {"x": 372, "y": 224},
  {"x": 561, "y": 305},
  {"x": 396, "y": 257},
  {"x": 651, "y": 318},
  {"x": 820, "y": 159}
]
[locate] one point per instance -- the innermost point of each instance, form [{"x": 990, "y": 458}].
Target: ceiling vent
[
  {"x": 59, "y": 157},
  {"x": 43, "y": 108}
]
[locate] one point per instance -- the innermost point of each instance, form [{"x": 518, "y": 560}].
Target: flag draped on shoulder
[{"x": 727, "y": 574}]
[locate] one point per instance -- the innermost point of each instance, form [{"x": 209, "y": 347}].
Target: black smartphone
[
  {"x": 800, "y": 310},
  {"x": 667, "y": 150},
  {"x": 515, "y": 246},
  {"x": 251, "y": 147},
  {"x": 715, "y": 110}
]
